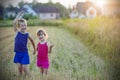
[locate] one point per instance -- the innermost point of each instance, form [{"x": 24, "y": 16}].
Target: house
[
  {"x": 29, "y": 10},
  {"x": 86, "y": 10},
  {"x": 10, "y": 12},
  {"x": 43, "y": 12},
  {"x": 47, "y": 12},
  {"x": 111, "y": 8},
  {"x": 74, "y": 13}
]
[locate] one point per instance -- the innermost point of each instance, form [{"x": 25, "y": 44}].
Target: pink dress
[{"x": 42, "y": 56}]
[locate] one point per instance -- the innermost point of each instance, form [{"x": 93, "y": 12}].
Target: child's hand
[
  {"x": 21, "y": 14},
  {"x": 34, "y": 52},
  {"x": 51, "y": 46}
]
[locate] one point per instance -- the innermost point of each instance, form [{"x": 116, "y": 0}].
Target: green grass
[
  {"x": 34, "y": 22},
  {"x": 70, "y": 59},
  {"x": 102, "y": 35}
]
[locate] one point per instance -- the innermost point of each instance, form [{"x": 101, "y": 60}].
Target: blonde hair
[
  {"x": 43, "y": 31},
  {"x": 21, "y": 20}
]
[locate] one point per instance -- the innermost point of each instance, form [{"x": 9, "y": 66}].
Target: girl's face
[
  {"x": 22, "y": 26},
  {"x": 41, "y": 36}
]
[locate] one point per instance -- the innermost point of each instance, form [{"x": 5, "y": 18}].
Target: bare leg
[
  {"x": 41, "y": 70},
  {"x": 45, "y": 74},
  {"x": 26, "y": 70},
  {"x": 46, "y": 71},
  {"x": 20, "y": 69}
]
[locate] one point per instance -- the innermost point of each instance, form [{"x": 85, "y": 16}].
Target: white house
[
  {"x": 91, "y": 12},
  {"x": 30, "y": 10},
  {"x": 47, "y": 12},
  {"x": 10, "y": 12},
  {"x": 73, "y": 14},
  {"x": 43, "y": 12},
  {"x": 85, "y": 10}
]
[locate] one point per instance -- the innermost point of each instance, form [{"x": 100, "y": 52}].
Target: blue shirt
[{"x": 21, "y": 40}]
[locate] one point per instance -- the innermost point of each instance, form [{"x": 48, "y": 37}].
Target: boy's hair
[
  {"x": 22, "y": 20},
  {"x": 43, "y": 31}
]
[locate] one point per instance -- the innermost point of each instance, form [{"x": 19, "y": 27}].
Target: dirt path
[{"x": 70, "y": 59}]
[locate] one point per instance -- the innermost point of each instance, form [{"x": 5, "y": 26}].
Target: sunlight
[{"x": 100, "y": 3}]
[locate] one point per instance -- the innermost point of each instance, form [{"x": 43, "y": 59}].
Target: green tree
[
  {"x": 1, "y": 11},
  {"x": 63, "y": 11},
  {"x": 20, "y": 4}
]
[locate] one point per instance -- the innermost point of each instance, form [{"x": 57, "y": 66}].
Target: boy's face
[{"x": 22, "y": 26}]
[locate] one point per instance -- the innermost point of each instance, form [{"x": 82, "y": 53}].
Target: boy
[{"x": 21, "y": 57}]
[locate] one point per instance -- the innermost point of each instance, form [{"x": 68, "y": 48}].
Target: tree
[
  {"x": 21, "y": 4},
  {"x": 64, "y": 13},
  {"x": 1, "y": 12}
]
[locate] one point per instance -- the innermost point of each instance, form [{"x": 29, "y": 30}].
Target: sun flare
[{"x": 99, "y": 3}]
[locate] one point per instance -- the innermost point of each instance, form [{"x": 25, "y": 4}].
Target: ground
[{"x": 69, "y": 60}]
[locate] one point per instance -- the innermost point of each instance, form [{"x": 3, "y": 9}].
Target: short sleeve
[{"x": 48, "y": 44}]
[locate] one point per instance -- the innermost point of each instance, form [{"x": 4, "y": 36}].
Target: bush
[
  {"x": 38, "y": 22},
  {"x": 30, "y": 16}
]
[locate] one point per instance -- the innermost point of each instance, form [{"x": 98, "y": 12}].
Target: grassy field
[
  {"x": 102, "y": 36},
  {"x": 70, "y": 59}
]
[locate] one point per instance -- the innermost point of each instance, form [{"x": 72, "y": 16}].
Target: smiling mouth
[{"x": 40, "y": 38}]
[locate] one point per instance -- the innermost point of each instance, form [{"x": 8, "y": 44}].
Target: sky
[{"x": 65, "y": 3}]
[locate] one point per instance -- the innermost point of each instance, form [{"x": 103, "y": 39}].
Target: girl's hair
[
  {"x": 43, "y": 31},
  {"x": 22, "y": 20}
]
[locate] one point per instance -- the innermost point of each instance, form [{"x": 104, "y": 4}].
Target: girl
[
  {"x": 21, "y": 57},
  {"x": 43, "y": 48}
]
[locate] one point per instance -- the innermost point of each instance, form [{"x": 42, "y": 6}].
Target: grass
[
  {"x": 33, "y": 22},
  {"x": 102, "y": 35},
  {"x": 70, "y": 59}
]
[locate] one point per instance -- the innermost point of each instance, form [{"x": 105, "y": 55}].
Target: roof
[
  {"x": 14, "y": 9},
  {"x": 46, "y": 9},
  {"x": 83, "y": 6},
  {"x": 21, "y": 9}
]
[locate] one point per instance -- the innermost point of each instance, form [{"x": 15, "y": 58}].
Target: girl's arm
[
  {"x": 50, "y": 47},
  {"x": 33, "y": 44},
  {"x": 15, "y": 22}
]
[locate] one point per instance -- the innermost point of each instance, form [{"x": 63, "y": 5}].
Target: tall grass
[{"x": 102, "y": 35}]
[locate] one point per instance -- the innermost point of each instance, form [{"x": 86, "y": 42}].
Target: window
[{"x": 51, "y": 14}]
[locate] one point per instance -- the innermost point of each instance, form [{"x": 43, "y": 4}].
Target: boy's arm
[
  {"x": 15, "y": 25},
  {"x": 15, "y": 22},
  {"x": 33, "y": 44}
]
